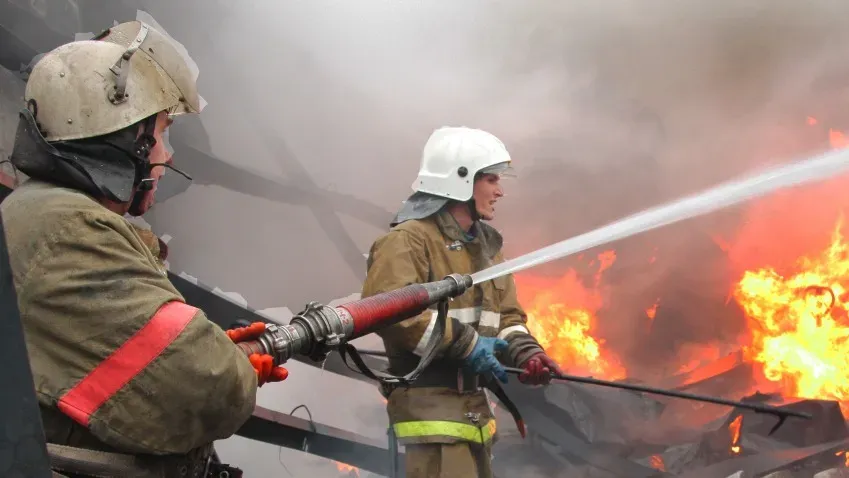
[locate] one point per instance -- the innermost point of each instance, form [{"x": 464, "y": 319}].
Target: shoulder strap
[{"x": 431, "y": 349}]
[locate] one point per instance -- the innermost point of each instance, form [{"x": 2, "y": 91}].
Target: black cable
[{"x": 309, "y": 414}]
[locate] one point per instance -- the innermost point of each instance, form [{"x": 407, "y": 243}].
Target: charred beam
[
  {"x": 209, "y": 170},
  {"x": 555, "y": 430},
  {"x": 769, "y": 462}
]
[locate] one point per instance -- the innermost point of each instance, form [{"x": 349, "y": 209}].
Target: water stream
[{"x": 718, "y": 197}]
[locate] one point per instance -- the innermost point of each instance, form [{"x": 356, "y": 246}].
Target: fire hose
[{"x": 321, "y": 329}]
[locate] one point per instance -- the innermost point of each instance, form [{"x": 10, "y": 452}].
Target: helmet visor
[{"x": 503, "y": 170}]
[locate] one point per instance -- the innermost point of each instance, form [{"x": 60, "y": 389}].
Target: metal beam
[{"x": 336, "y": 444}]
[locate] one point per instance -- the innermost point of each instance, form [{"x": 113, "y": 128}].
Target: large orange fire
[
  {"x": 798, "y": 323},
  {"x": 790, "y": 265},
  {"x": 562, "y": 316},
  {"x": 794, "y": 299}
]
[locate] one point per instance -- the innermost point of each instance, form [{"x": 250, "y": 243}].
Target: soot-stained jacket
[
  {"x": 115, "y": 351},
  {"x": 424, "y": 250}
]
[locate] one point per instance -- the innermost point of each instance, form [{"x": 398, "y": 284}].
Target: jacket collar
[{"x": 484, "y": 235}]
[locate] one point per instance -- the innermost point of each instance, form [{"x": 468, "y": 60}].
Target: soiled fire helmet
[
  {"x": 85, "y": 101},
  {"x": 452, "y": 158}
]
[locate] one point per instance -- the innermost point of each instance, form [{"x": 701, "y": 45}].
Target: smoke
[
  {"x": 654, "y": 101},
  {"x": 607, "y": 108}
]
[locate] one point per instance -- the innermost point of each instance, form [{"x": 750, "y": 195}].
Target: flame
[
  {"x": 656, "y": 462},
  {"x": 606, "y": 259},
  {"x": 734, "y": 429},
  {"x": 562, "y": 317},
  {"x": 347, "y": 469},
  {"x": 789, "y": 266},
  {"x": 845, "y": 456},
  {"x": 692, "y": 356},
  {"x": 652, "y": 311},
  {"x": 798, "y": 321},
  {"x": 837, "y": 139}
]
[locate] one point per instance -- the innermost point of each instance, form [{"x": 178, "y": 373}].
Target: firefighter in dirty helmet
[
  {"x": 444, "y": 419},
  {"x": 121, "y": 363}
]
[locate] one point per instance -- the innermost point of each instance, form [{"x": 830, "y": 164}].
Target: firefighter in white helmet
[
  {"x": 444, "y": 419},
  {"x": 131, "y": 380}
]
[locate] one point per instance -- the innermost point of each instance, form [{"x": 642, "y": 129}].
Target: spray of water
[{"x": 721, "y": 196}]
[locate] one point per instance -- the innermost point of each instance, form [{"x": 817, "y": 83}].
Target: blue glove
[{"x": 482, "y": 359}]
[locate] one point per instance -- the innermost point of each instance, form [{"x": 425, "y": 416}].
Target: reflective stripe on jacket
[{"x": 410, "y": 431}]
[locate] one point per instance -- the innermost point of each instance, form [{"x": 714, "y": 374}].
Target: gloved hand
[
  {"x": 482, "y": 358},
  {"x": 263, "y": 363},
  {"x": 538, "y": 370}
]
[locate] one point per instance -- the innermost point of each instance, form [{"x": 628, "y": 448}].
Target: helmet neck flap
[
  {"x": 114, "y": 166},
  {"x": 108, "y": 166}
]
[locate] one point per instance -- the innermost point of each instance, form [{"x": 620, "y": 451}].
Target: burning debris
[
  {"x": 787, "y": 293},
  {"x": 562, "y": 316},
  {"x": 346, "y": 470}
]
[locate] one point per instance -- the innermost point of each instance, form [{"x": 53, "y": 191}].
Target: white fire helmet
[
  {"x": 453, "y": 156},
  {"x": 94, "y": 87}
]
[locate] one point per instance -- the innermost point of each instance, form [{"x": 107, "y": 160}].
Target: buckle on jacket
[{"x": 467, "y": 382}]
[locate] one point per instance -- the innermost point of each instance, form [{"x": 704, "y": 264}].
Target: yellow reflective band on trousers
[{"x": 462, "y": 431}]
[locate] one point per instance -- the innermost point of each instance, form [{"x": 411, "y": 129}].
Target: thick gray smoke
[{"x": 606, "y": 109}]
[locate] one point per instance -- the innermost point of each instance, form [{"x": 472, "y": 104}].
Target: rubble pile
[{"x": 585, "y": 431}]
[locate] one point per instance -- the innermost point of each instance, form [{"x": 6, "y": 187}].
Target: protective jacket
[
  {"x": 120, "y": 361},
  {"x": 445, "y": 405}
]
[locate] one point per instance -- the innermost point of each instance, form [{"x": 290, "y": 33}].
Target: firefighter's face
[
  {"x": 160, "y": 154},
  {"x": 486, "y": 193}
]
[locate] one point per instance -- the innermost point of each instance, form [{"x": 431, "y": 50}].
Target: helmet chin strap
[
  {"x": 142, "y": 149},
  {"x": 147, "y": 185}
]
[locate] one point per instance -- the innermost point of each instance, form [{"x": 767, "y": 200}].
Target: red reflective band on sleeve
[{"x": 126, "y": 362}]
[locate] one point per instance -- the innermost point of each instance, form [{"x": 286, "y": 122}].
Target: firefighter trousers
[{"x": 443, "y": 460}]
